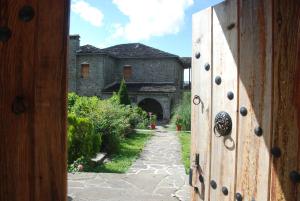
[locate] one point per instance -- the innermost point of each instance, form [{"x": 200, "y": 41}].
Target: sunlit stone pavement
[{"x": 158, "y": 175}]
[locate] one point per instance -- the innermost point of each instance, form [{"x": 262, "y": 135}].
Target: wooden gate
[{"x": 246, "y": 101}]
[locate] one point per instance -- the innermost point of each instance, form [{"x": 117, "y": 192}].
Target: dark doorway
[{"x": 152, "y": 105}]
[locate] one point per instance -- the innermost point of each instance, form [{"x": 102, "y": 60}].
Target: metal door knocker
[
  {"x": 196, "y": 100},
  {"x": 223, "y": 124}
]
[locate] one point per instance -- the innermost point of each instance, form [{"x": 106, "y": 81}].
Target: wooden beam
[{"x": 33, "y": 100}]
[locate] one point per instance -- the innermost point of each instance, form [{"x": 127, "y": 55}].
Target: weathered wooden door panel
[
  {"x": 33, "y": 100},
  {"x": 254, "y": 49},
  {"x": 201, "y": 109},
  {"x": 255, "y": 94},
  {"x": 224, "y": 60},
  {"x": 286, "y": 101}
]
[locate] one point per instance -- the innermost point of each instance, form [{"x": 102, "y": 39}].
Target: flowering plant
[
  {"x": 179, "y": 120},
  {"x": 153, "y": 118}
]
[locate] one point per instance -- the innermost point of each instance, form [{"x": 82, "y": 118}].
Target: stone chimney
[{"x": 74, "y": 44}]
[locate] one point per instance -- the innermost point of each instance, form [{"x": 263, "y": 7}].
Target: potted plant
[
  {"x": 178, "y": 123},
  {"x": 153, "y": 120}
]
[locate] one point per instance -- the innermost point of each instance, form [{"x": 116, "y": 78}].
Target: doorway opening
[{"x": 151, "y": 105}]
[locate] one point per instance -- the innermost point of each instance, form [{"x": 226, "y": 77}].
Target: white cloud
[
  {"x": 149, "y": 18},
  {"x": 87, "y": 12}
]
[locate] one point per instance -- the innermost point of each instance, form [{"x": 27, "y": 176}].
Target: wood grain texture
[
  {"x": 255, "y": 93},
  {"x": 225, "y": 59},
  {"x": 33, "y": 66},
  {"x": 201, "y": 113},
  {"x": 286, "y": 37}
]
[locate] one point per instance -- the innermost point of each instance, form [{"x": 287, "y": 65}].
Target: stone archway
[{"x": 152, "y": 105}]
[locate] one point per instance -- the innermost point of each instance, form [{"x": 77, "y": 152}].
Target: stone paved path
[{"x": 158, "y": 175}]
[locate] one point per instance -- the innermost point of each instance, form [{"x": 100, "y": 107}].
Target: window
[
  {"x": 85, "y": 70},
  {"x": 127, "y": 72}
]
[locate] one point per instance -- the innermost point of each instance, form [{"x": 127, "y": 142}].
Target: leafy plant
[
  {"x": 82, "y": 140},
  {"x": 123, "y": 94},
  {"x": 179, "y": 120},
  {"x": 183, "y": 109},
  {"x": 153, "y": 119}
]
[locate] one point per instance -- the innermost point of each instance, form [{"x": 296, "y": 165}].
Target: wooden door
[
  {"x": 33, "y": 55},
  {"x": 246, "y": 63}
]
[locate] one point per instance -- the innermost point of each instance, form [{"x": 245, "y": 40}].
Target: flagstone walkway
[{"x": 158, "y": 175}]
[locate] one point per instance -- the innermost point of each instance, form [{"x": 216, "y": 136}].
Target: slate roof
[
  {"x": 186, "y": 62},
  {"x": 142, "y": 87},
  {"x": 130, "y": 50},
  {"x": 133, "y": 50},
  {"x": 136, "y": 50},
  {"x": 89, "y": 49}
]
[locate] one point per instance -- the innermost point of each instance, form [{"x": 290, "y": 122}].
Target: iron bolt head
[
  {"x": 276, "y": 152},
  {"x": 197, "y": 55},
  {"x": 224, "y": 190},
  {"x": 26, "y": 13},
  {"x": 213, "y": 184},
  {"x": 238, "y": 197},
  {"x": 295, "y": 176},
  {"x": 230, "y": 95},
  {"x": 218, "y": 80},
  {"x": 243, "y": 111},
  {"x": 18, "y": 105},
  {"x": 207, "y": 67},
  {"x": 5, "y": 34},
  {"x": 258, "y": 131},
  {"x": 201, "y": 179}
]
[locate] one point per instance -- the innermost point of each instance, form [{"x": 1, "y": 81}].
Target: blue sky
[{"x": 163, "y": 24}]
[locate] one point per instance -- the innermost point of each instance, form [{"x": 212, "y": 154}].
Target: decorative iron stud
[
  {"x": 201, "y": 179},
  {"x": 207, "y": 67},
  {"x": 238, "y": 197},
  {"x": 18, "y": 105},
  {"x": 218, "y": 80},
  {"x": 243, "y": 111},
  {"x": 223, "y": 124},
  {"x": 26, "y": 13},
  {"x": 5, "y": 34},
  {"x": 276, "y": 152},
  {"x": 224, "y": 190},
  {"x": 197, "y": 55},
  {"x": 230, "y": 95},
  {"x": 295, "y": 177},
  {"x": 213, "y": 184},
  {"x": 258, "y": 131}
]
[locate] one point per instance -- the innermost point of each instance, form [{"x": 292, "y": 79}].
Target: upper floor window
[
  {"x": 85, "y": 70},
  {"x": 127, "y": 72}
]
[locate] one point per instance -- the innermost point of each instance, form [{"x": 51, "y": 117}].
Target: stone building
[{"x": 154, "y": 78}]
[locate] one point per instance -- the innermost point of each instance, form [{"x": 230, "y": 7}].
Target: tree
[{"x": 123, "y": 94}]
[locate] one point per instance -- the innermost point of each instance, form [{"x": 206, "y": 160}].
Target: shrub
[
  {"x": 82, "y": 140},
  {"x": 123, "y": 94},
  {"x": 72, "y": 98},
  {"x": 183, "y": 111},
  {"x": 109, "y": 119}
]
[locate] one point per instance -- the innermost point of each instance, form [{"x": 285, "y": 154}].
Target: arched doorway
[{"x": 152, "y": 105}]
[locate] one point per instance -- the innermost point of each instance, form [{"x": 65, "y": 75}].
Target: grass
[
  {"x": 131, "y": 147},
  {"x": 185, "y": 140}
]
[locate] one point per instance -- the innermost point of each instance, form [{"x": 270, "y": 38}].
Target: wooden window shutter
[
  {"x": 85, "y": 70},
  {"x": 127, "y": 72}
]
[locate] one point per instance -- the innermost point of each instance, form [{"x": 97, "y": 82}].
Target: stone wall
[
  {"x": 109, "y": 66},
  {"x": 150, "y": 70},
  {"x": 92, "y": 85},
  {"x": 74, "y": 43}
]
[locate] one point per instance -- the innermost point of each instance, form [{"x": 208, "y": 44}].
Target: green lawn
[
  {"x": 185, "y": 140},
  {"x": 131, "y": 148}
]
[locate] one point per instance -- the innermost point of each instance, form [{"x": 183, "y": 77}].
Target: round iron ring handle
[{"x": 196, "y": 100}]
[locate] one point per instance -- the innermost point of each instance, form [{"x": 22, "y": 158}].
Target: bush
[
  {"x": 123, "y": 94},
  {"x": 82, "y": 140},
  {"x": 110, "y": 119},
  {"x": 183, "y": 112}
]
